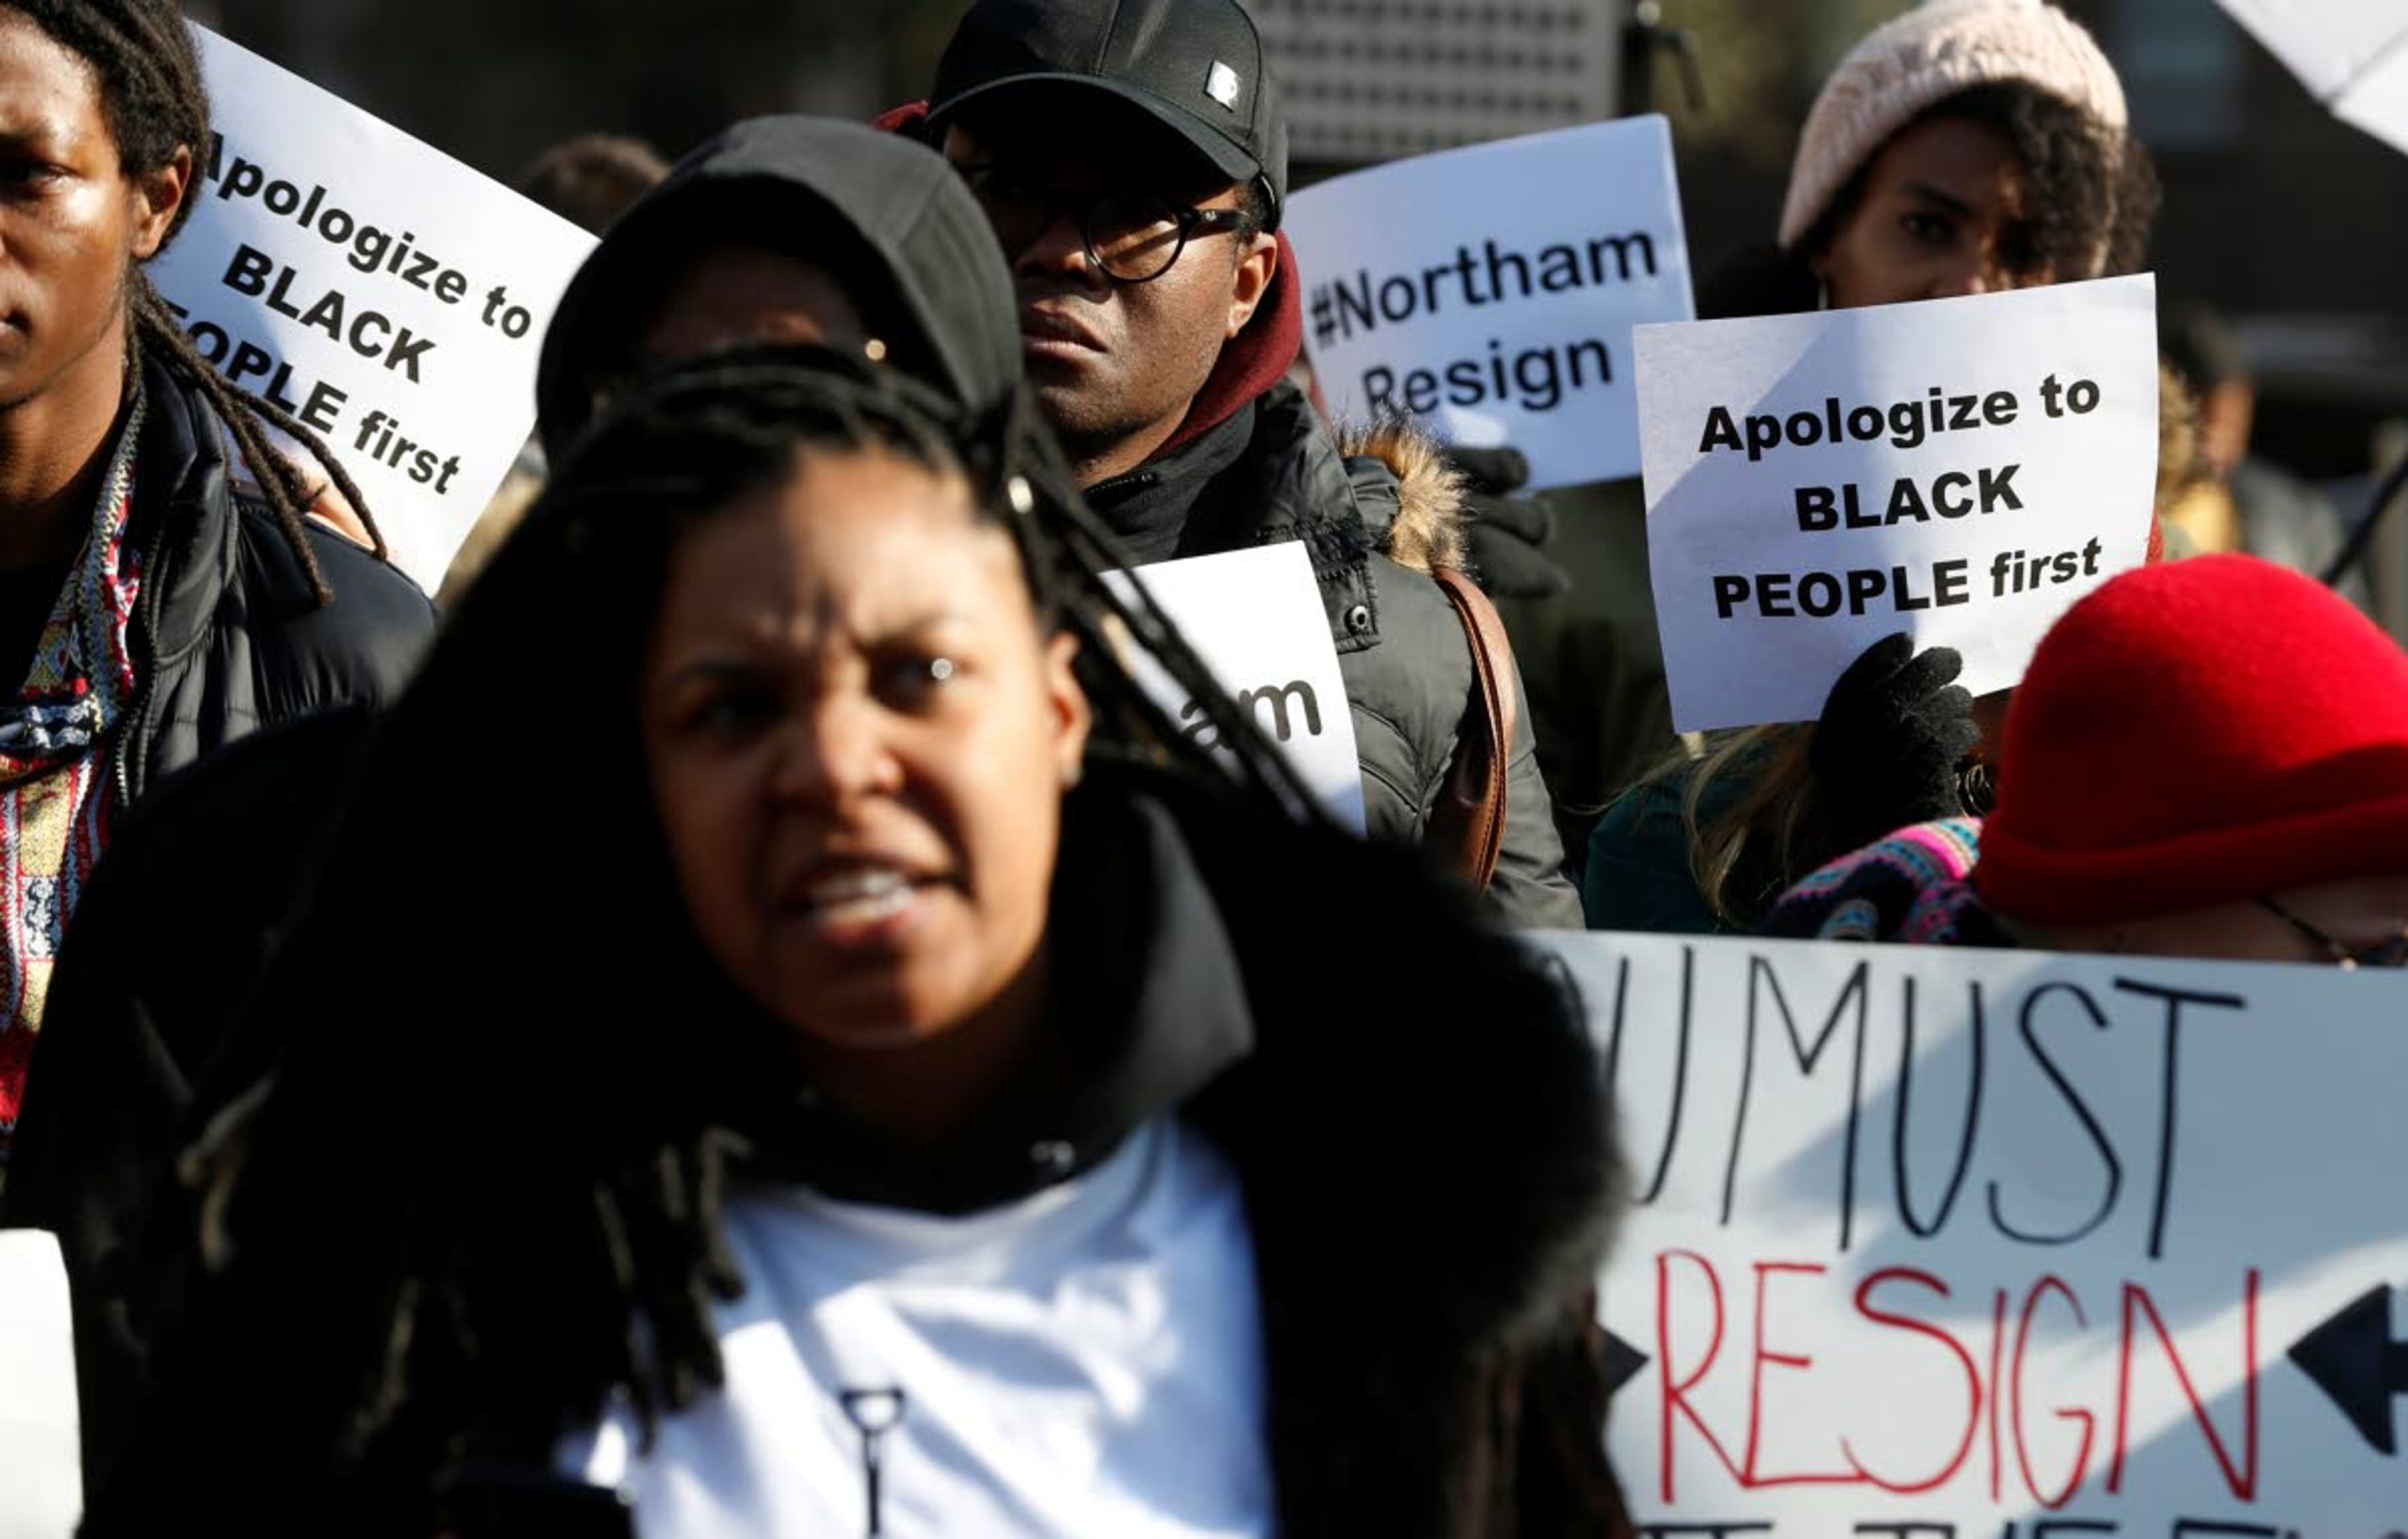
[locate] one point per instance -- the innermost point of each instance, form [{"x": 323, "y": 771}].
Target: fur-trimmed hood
[
  {"x": 1421, "y": 497},
  {"x": 1273, "y": 474}
]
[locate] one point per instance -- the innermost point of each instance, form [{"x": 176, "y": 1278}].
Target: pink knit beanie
[{"x": 1924, "y": 57}]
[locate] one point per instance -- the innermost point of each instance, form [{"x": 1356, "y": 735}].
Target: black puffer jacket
[
  {"x": 232, "y": 646},
  {"x": 228, "y": 637},
  {"x": 1373, "y": 522}
]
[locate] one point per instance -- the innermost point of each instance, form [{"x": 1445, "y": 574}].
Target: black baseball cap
[{"x": 1196, "y": 66}]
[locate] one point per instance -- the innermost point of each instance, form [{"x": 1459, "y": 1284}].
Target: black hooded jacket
[
  {"x": 228, "y": 634},
  {"x": 1424, "y": 1152}
]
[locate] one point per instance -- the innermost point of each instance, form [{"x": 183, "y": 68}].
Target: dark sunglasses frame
[
  {"x": 1050, "y": 206},
  {"x": 2388, "y": 954}
]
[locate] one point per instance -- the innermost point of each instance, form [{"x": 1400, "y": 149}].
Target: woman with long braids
[
  {"x": 148, "y": 613},
  {"x": 883, "y": 1107},
  {"x": 786, "y": 228}
]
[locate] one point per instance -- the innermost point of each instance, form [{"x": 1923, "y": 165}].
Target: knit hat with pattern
[{"x": 1923, "y": 58}]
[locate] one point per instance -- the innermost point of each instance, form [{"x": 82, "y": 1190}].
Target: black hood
[{"x": 886, "y": 215}]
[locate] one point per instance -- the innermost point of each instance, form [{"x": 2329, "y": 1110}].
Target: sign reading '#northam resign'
[
  {"x": 389, "y": 297},
  {"x": 1983, "y": 1244},
  {"x": 1959, "y": 469},
  {"x": 1490, "y": 291},
  {"x": 1254, "y": 617}
]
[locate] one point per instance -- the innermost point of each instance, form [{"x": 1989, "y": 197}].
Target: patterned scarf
[{"x": 55, "y": 795}]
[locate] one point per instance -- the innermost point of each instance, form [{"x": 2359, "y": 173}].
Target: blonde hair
[{"x": 1752, "y": 814}]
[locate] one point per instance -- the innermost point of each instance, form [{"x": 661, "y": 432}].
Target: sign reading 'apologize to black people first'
[
  {"x": 1938, "y": 1243},
  {"x": 1960, "y": 470},
  {"x": 1491, "y": 290},
  {"x": 391, "y": 298}
]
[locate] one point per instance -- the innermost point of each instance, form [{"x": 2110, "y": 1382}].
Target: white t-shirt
[{"x": 1087, "y": 1361}]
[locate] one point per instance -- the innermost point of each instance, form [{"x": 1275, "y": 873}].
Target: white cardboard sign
[
  {"x": 1255, "y": 619},
  {"x": 41, "y": 1497},
  {"x": 1937, "y": 1244},
  {"x": 2348, "y": 52},
  {"x": 1960, "y": 470},
  {"x": 391, "y": 298},
  {"x": 1491, "y": 290}
]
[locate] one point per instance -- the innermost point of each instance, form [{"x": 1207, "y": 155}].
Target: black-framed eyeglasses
[
  {"x": 1130, "y": 236},
  {"x": 2391, "y": 953}
]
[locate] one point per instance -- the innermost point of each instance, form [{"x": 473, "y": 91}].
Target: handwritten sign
[
  {"x": 1491, "y": 290},
  {"x": 1255, "y": 619},
  {"x": 1961, "y": 469},
  {"x": 389, "y": 297},
  {"x": 42, "y": 1497},
  {"x": 1939, "y": 1244}
]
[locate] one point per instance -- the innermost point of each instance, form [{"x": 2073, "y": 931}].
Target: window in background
[{"x": 2183, "y": 64}]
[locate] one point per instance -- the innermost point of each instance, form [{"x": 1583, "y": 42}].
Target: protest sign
[
  {"x": 42, "y": 1497},
  {"x": 1960, "y": 470},
  {"x": 1491, "y": 290},
  {"x": 389, "y": 297},
  {"x": 2353, "y": 54},
  {"x": 1254, "y": 618},
  {"x": 1934, "y": 1244}
]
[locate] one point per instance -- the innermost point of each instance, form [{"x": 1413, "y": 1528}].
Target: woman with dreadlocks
[
  {"x": 885, "y": 1106},
  {"x": 149, "y": 614},
  {"x": 783, "y": 228}
]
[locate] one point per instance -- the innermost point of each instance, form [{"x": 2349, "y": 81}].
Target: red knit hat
[{"x": 2196, "y": 733}]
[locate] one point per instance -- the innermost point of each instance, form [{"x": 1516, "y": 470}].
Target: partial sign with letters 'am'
[
  {"x": 1491, "y": 291},
  {"x": 389, "y": 297},
  {"x": 1936, "y": 1244},
  {"x": 1255, "y": 619}
]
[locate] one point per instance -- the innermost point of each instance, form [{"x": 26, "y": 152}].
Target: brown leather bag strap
[{"x": 1467, "y": 828}]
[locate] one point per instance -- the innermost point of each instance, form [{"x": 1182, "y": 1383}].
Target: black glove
[
  {"x": 1892, "y": 734},
  {"x": 1505, "y": 532}
]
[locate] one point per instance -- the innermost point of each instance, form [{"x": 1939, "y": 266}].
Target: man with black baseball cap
[{"x": 1132, "y": 156}]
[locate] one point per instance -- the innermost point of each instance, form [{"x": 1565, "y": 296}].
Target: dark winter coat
[
  {"x": 1424, "y": 1152},
  {"x": 239, "y": 663},
  {"x": 170, "y": 933},
  {"x": 1374, "y": 521},
  {"x": 1425, "y": 1156},
  {"x": 228, "y": 636},
  {"x": 1429, "y": 1176}
]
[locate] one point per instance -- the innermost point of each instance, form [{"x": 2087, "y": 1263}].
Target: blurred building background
[
  {"x": 2271, "y": 205},
  {"x": 2283, "y": 219}
]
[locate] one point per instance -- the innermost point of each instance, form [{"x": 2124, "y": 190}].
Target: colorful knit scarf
[
  {"x": 1913, "y": 887},
  {"x": 56, "y": 794}
]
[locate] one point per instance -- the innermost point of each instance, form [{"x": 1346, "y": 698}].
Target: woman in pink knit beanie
[
  {"x": 1964, "y": 147},
  {"x": 1967, "y": 146}
]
